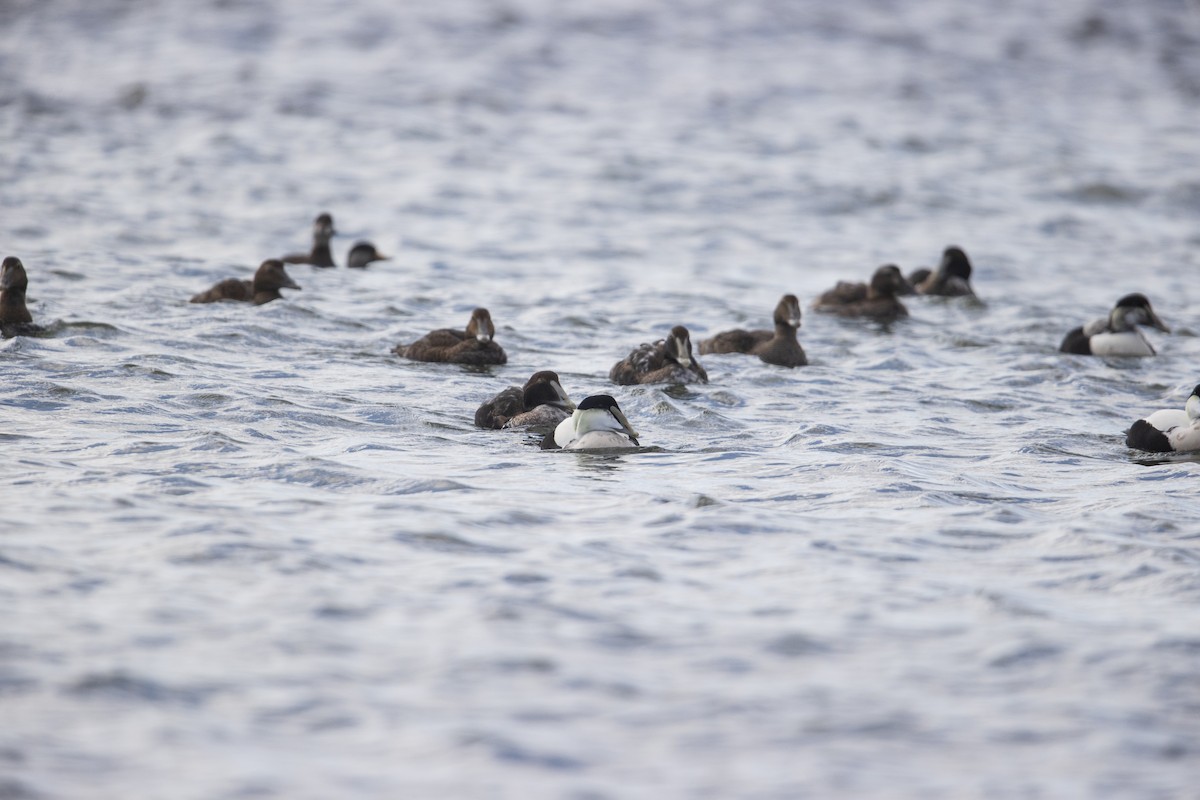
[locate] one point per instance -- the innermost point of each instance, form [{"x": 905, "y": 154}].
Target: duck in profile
[
  {"x": 268, "y": 280},
  {"x": 952, "y": 278},
  {"x": 473, "y": 346},
  {"x": 15, "y": 319},
  {"x": 1117, "y": 334},
  {"x": 597, "y": 423},
  {"x": 777, "y": 347},
  {"x": 362, "y": 254},
  {"x": 1169, "y": 430},
  {"x": 877, "y": 300},
  {"x": 668, "y": 360},
  {"x": 538, "y": 405},
  {"x": 321, "y": 255}
]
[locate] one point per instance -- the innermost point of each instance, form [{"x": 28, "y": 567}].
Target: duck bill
[
  {"x": 620, "y": 415},
  {"x": 1158, "y": 323},
  {"x": 564, "y": 399},
  {"x": 291, "y": 284}
]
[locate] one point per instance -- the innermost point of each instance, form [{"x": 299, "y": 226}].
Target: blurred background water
[{"x": 247, "y": 552}]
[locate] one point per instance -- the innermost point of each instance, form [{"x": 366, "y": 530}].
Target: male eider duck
[
  {"x": 268, "y": 280},
  {"x": 668, "y": 360},
  {"x": 321, "y": 255},
  {"x": 1117, "y": 334},
  {"x": 777, "y": 347},
  {"x": 15, "y": 319},
  {"x": 362, "y": 254},
  {"x": 540, "y": 404},
  {"x": 1169, "y": 430},
  {"x": 877, "y": 301},
  {"x": 473, "y": 346},
  {"x": 952, "y": 278},
  {"x": 597, "y": 423}
]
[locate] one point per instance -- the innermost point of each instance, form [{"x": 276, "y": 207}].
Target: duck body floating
[
  {"x": 1116, "y": 334},
  {"x": 596, "y": 424},
  {"x": 1169, "y": 430},
  {"x": 474, "y": 346},
  {"x": 668, "y": 360},
  {"x": 540, "y": 404},
  {"x": 877, "y": 300},
  {"x": 321, "y": 255},
  {"x": 778, "y": 347},
  {"x": 268, "y": 280}
]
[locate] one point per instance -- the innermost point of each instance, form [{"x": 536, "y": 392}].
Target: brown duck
[
  {"x": 268, "y": 280},
  {"x": 777, "y": 347}
]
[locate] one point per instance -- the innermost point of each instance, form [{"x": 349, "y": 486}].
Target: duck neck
[
  {"x": 12, "y": 305},
  {"x": 321, "y": 255}
]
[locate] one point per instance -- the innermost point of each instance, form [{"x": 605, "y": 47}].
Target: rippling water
[{"x": 246, "y": 552}]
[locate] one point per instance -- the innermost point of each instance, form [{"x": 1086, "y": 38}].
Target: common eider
[
  {"x": 1169, "y": 430},
  {"x": 876, "y": 301},
  {"x": 1116, "y": 334},
  {"x": 362, "y": 254},
  {"x": 597, "y": 423},
  {"x": 777, "y": 347},
  {"x": 540, "y": 404},
  {"x": 321, "y": 255},
  {"x": 473, "y": 346},
  {"x": 15, "y": 319},
  {"x": 952, "y": 278},
  {"x": 668, "y": 360},
  {"x": 268, "y": 280}
]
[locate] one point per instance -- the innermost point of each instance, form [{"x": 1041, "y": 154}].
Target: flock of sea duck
[{"x": 543, "y": 406}]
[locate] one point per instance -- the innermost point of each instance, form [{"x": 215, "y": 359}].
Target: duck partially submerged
[
  {"x": 952, "y": 278},
  {"x": 320, "y": 255},
  {"x": 777, "y": 347},
  {"x": 668, "y": 360},
  {"x": 15, "y": 319},
  {"x": 1168, "y": 430},
  {"x": 596, "y": 424},
  {"x": 540, "y": 404},
  {"x": 474, "y": 346},
  {"x": 1116, "y": 334},
  {"x": 877, "y": 300},
  {"x": 362, "y": 254},
  {"x": 268, "y": 280}
]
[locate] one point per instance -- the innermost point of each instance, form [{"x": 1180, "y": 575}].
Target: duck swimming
[
  {"x": 268, "y": 280},
  {"x": 321, "y": 255},
  {"x": 362, "y": 254},
  {"x": 15, "y": 319},
  {"x": 668, "y": 360},
  {"x": 1169, "y": 430},
  {"x": 448, "y": 346},
  {"x": 876, "y": 301},
  {"x": 540, "y": 404},
  {"x": 777, "y": 347},
  {"x": 1117, "y": 334},
  {"x": 952, "y": 278},
  {"x": 597, "y": 423}
]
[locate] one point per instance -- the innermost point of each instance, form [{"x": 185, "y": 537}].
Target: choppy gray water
[{"x": 245, "y": 552}]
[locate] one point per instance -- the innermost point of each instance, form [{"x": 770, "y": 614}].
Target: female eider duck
[
  {"x": 952, "y": 278},
  {"x": 15, "y": 319},
  {"x": 1169, "y": 430},
  {"x": 668, "y": 360},
  {"x": 473, "y": 346},
  {"x": 268, "y": 280},
  {"x": 876, "y": 301},
  {"x": 1117, "y": 334},
  {"x": 597, "y": 423},
  {"x": 321, "y": 255},
  {"x": 362, "y": 254},
  {"x": 777, "y": 347},
  {"x": 538, "y": 405}
]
